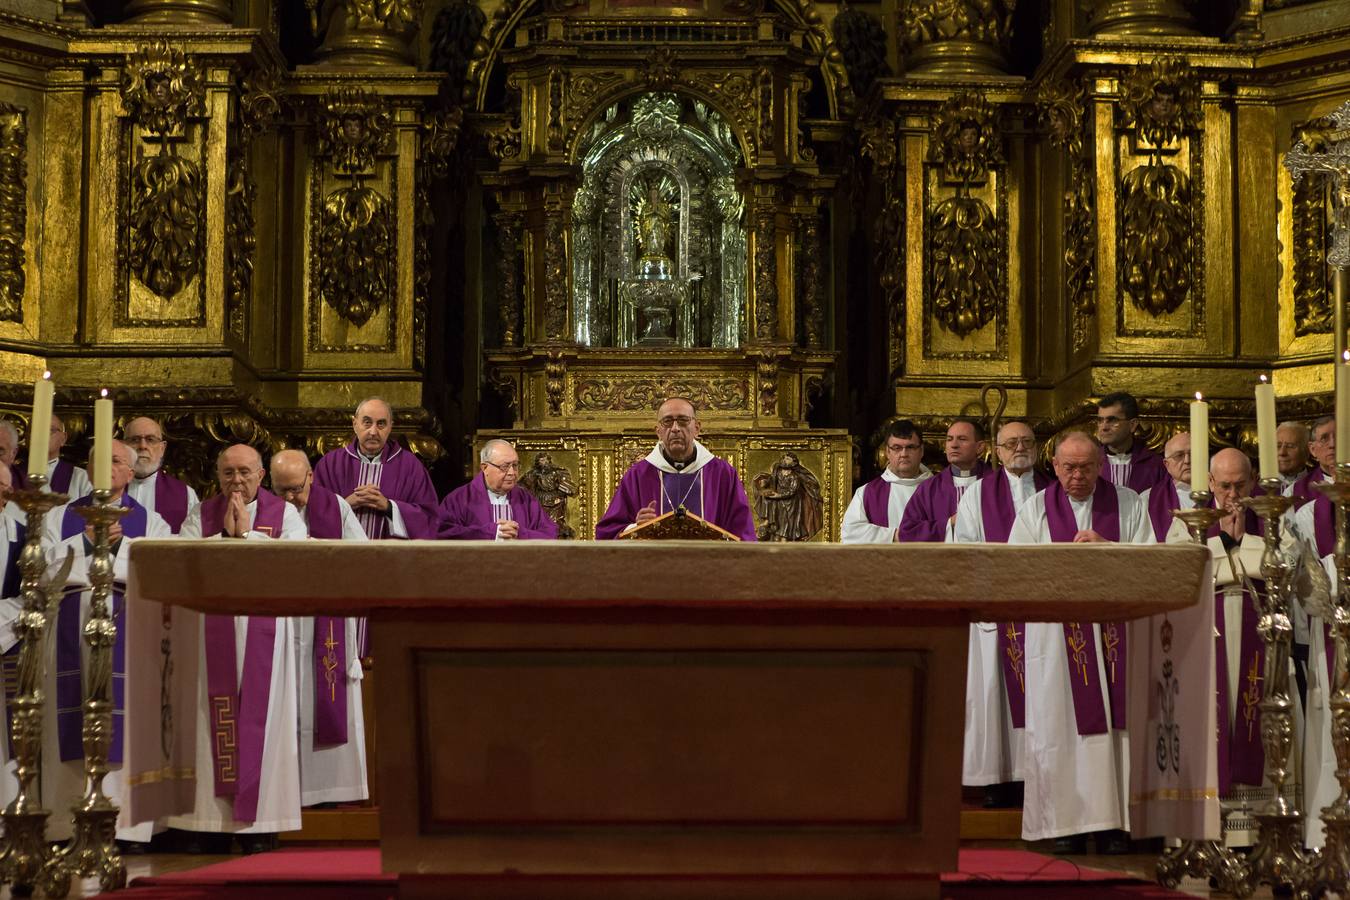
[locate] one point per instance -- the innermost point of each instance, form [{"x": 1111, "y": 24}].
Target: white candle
[
  {"x": 40, "y": 425},
  {"x": 1265, "y": 428},
  {"x": 1343, "y": 409},
  {"x": 1199, "y": 444},
  {"x": 103, "y": 418}
]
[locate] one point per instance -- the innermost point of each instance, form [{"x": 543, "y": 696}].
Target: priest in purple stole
[
  {"x": 1322, "y": 446},
  {"x": 996, "y": 671},
  {"x": 247, "y": 761},
  {"x": 1173, "y": 492},
  {"x": 1076, "y": 764},
  {"x": 874, "y": 514},
  {"x": 931, "y": 512},
  {"x": 328, "y": 669},
  {"x": 385, "y": 484},
  {"x": 63, "y": 746},
  {"x": 1292, "y": 446},
  {"x": 679, "y": 472},
  {"x": 63, "y": 477},
  {"x": 153, "y": 488},
  {"x": 12, "y": 536},
  {"x": 1126, "y": 460},
  {"x": 493, "y": 507}
]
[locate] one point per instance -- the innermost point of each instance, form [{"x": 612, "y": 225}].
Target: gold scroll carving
[
  {"x": 13, "y": 209},
  {"x": 1062, "y": 111}
]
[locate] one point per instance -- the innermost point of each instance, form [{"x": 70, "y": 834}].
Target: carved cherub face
[
  {"x": 1163, "y": 106},
  {"x": 968, "y": 140},
  {"x": 353, "y": 129},
  {"x": 157, "y": 88}
]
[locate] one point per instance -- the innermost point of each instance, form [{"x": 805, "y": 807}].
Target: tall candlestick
[
  {"x": 40, "y": 425},
  {"x": 1199, "y": 444},
  {"x": 1343, "y": 408},
  {"x": 1265, "y": 428},
  {"x": 103, "y": 417}
]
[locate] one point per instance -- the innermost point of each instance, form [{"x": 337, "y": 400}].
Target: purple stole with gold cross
[{"x": 1084, "y": 680}]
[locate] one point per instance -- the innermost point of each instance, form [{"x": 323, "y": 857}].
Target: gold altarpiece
[{"x": 536, "y": 219}]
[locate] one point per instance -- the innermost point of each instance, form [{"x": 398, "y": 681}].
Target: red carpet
[{"x": 300, "y": 874}]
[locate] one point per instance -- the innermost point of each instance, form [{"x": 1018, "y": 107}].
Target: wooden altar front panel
[{"x": 671, "y": 720}]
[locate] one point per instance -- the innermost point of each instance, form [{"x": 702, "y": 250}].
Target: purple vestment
[
  {"x": 323, "y": 516},
  {"x": 69, "y": 638},
  {"x": 1145, "y": 469},
  {"x": 171, "y": 500},
  {"x": 997, "y": 514},
  {"x": 1303, "y": 488},
  {"x": 877, "y": 502},
  {"x": 1163, "y": 499},
  {"x": 400, "y": 477},
  {"x": 1084, "y": 680},
  {"x": 713, "y": 492},
  {"x": 933, "y": 505},
  {"x": 61, "y": 476},
  {"x": 238, "y": 704},
  {"x": 466, "y": 514}
]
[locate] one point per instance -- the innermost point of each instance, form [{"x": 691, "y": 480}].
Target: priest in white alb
[
  {"x": 1076, "y": 768},
  {"x": 1174, "y": 491},
  {"x": 63, "y": 477},
  {"x": 874, "y": 514},
  {"x": 63, "y": 716},
  {"x": 996, "y": 670},
  {"x": 247, "y": 758},
  {"x": 328, "y": 669},
  {"x": 153, "y": 488}
]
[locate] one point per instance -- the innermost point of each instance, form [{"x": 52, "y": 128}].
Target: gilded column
[
  {"x": 766, "y": 274},
  {"x": 812, "y": 284},
  {"x": 357, "y": 33},
  {"x": 939, "y": 37},
  {"x": 179, "y": 12},
  {"x": 508, "y": 275},
  {"x": 1140, "y": 17}
]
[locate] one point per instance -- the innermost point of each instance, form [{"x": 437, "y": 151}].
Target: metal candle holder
[
  {"x": 1278, "y": 856},
  {"x": 24, "y": 849},
  {"x": 93, "y": 846},
  {"x": 1198, "y": 859},
  {"x": 1330, "y": 867}
]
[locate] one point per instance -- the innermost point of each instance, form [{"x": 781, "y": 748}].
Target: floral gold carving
[
  {"x": 508, "y": 278},
  {"x": 1160, "y": 103},
  {"x": 1062, "y": 106},
  {"x": 766, "y": 373},
  {"x": 258, "y": 107},
  {"x": 632, "y": 394},
  {"x": 440, "y": 134},
  {"x": 354, "y": 127},
  {"x": 161, "y": 88},
  {"x": 356, "y": 250},
  {"x": 551, "y": 485},
  {"x": 967, "y": 270},
  {"x": 788, "y": 501},
  {"x": 812, "y": 283},
  {"x": 555, "y": 276},
  {"x": 879, "y": 143},
  {"x": 959, "y": 36},
  {"x": 662, "y": 70},
  {"x": 378, "y": 32},
  {"x": 766, "y": 275},
  {"x": 1312, "y": 294},
  {"x": 13, "y": 209},
  {"x": 555, "y": 381},
  {"x": 583, "y": 90}
]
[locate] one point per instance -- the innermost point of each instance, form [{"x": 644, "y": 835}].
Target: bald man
[
  {"x": 995, "y": 672},
  {"x": 63, "y": 477},
  {"x": 1077, "y": 751},
  {"x": 385, "y": 484},
  {"x": 494, "y": 507},
  {"x": 153, "y": 488},
  {"x": 1174, "y": 491},
  {"x": 62, "y": 740},
  {"x": 247, "y": 756},
  {"x": 328, "y": 671}
]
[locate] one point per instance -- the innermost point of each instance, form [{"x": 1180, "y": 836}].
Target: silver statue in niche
[{"x": 658, "y": 241}]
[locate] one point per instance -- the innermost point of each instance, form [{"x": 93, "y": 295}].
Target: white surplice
[
  {"x": 1320, "y": 788},
  {"x": 142, "y": 490},
  {"x": 1074, "y": 783},
  {"x": 63, "y": 782},
  {"x": 856, "y": 529},
  {"x": 331, "y": 774},
  {"x": 993, "y": 748},
  {"x": 279, "y": 786},
  {"x": 11, "y": 519}
]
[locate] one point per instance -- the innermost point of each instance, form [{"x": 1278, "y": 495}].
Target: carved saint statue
[
  {"x": 551, "y": 486},
  {"x": 787, "y": 501},
  {"x": 654, "y": 221}
]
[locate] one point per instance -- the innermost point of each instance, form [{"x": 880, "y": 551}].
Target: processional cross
[{"x": 1324, "y": 149}]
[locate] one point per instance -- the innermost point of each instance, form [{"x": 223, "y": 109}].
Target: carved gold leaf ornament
[
  {"x": 161, "y": 88},
  {"x": 983, "y": 21},
  {"x": 1061, "y": 116},
  {"x": 13, "y": 209},
  {"x": 633, "y": 394},
  {"x": 965, "y": 140},
  {"x": 355, "y": 242},
  {"x": 1160, "y": 101},
  {"x": 164, "y": 247},
  {"x": 354, "y": 128}
]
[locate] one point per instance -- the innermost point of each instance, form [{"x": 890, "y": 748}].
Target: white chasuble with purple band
[{"x": 238, "y": 704}]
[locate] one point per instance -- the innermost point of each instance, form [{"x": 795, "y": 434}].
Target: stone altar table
[{"x": 670, "y": 720}]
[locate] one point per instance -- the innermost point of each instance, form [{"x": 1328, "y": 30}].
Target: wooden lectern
[
  {"x": 678, "y": 525},
  {"x": 669, "y": 719}
]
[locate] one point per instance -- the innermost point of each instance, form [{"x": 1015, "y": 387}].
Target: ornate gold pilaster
[
  {"x": 179, "y": 12},
  {"x": 941, "y": 38},
  {"x": 357, "y": 33},
  {"x": 1140, "y": 17},
  {"x": 13, "y": 209},
  {"x": 765, "y": 261},
  {"x": 1063, "y": 116}
]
